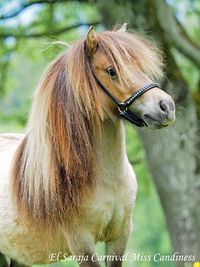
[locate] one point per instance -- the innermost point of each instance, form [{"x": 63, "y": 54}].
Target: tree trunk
[
  {"x": 171, "y": 153},
  {"x": 171, "y": 157}
]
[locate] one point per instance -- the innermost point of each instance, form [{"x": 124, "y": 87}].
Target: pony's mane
[{"x": 54, "y": 167}]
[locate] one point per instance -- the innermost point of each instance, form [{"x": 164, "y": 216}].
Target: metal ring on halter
[{"x": 122, "y": 107}]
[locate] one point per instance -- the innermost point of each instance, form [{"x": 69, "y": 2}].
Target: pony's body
[
  {"x": 106, "y": 216},
  {"x": 67, "y": 183}
]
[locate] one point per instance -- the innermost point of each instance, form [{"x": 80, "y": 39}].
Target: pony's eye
[{"x": 111, "y": 72}]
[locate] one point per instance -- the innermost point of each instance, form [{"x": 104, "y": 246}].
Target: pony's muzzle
[{"x": 163, "y": 114}]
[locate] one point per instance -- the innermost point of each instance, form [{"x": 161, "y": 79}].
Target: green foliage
[
  {"x": 189, "y": 71},
  {"x": 188, "y": 13}
]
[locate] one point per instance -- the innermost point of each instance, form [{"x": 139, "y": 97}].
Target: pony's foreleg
[
  {"x": 115, "y": 249},
  {"x": 14, "y": 263},
  {"x": 82, "y": 245},
  {"x": 3, "y": 261}
]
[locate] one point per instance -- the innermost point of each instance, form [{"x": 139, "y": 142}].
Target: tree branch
[
  {"x": 28, "y": 4},
  {"x": 175, "y": 34},
  {"x": 47, "y": 33}
]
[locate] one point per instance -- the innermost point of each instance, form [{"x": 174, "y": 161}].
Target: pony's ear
[
  {"x": 91, "y": 41},
  {"x": 123, "y": 28}
]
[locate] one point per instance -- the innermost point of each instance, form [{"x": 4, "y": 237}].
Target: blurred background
[{"x": 166, "y": 216}]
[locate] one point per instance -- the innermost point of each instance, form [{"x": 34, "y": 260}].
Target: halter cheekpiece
[{"x": 123, "y": 106}]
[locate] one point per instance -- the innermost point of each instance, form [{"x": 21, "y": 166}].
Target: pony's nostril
[
  {"x": 172, "y": 105},
  {"x": 163, "y": 106}
]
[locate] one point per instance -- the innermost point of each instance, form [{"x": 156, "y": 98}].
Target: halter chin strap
[{"x": 123, "y": 106}]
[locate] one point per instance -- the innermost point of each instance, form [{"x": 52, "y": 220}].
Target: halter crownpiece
[{"x": 123, "y": 106}]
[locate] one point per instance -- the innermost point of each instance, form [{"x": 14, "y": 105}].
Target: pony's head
[
  {"x": 123, "y": 63},
  {"x": 54, "y": 166}
]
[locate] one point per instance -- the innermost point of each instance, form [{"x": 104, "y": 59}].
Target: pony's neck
[{"x": 110, "y": 149}]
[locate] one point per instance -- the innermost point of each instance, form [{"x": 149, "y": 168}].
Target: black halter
[{"x": 123, "y": 106}]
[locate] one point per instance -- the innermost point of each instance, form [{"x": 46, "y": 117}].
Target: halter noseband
[{"x": 123, "y": 106}]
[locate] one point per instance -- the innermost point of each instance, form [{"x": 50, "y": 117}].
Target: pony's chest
[
  {"x": 111, "y": 208},
  {"x": 108, "y": 220}
]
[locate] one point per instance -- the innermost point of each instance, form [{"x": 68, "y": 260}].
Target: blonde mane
[{"x": 54, "y": 167}]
